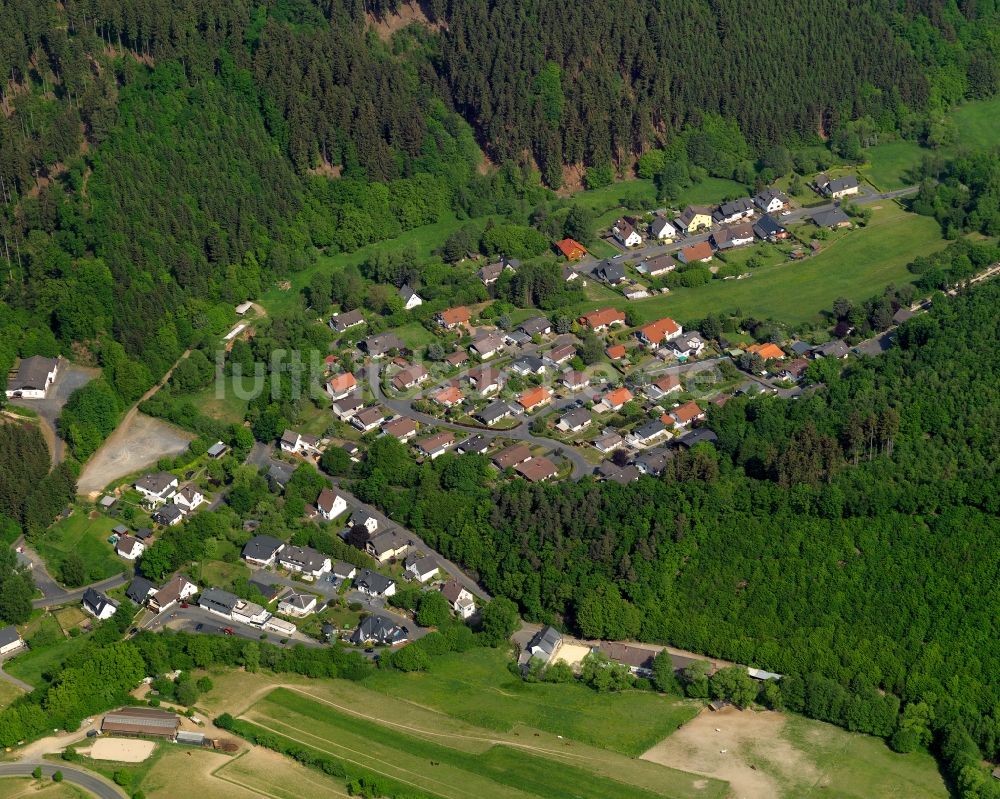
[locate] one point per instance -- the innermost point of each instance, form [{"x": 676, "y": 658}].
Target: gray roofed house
[
  {"x": 267, "y": 590},
  {"x": 368, "y": 419},
  {"x": 658, "y": 265},
  {"x": 661, "y": 228},
  {"x": 410, "y": 298},
  {"x": 801, "y": 348},
  {"x": 769, "y": 229},
  {"x": 168, "y": 515},
  {"x": 97, "y": 604},
  {"x": 832, "y": 218},
  {"x": 342, "y": 570},
  {"x": 832, "y": 349},
  {"x": 770, "y": 200},
  {"x": 139, "y": 589},
  {"x": 732, "y": 236},
  {"x": 345, "y": 408},
  {"x": 545, "y": 643},
  {"x": 476, "y": 445},
  {"x": 373, "y": 583},
  {"x": 378, "y": 345},
  {"x": 575, "y": 420},
  {"x": 279, "y": 473},
  {"x": 613, "y": 473},
  {"x": 838, "y": 187},
  {"x": 701, "y": 435},
  {"x": 528, "y": 365},
  {"x": 262, "y": 549},
  {"x": 733, "y": 210},
  {"x": 34, "y": 376},
  {"x": 608, "y": 441},
  {"x": 537, "y": 325},
  {"x": 10, "y": 639},
  {"x": 610, "y": 271},
  {"x": 218, "y": 601},
  {"x": 348, "y": 319},
  {"x": 653, "y": 461},
  {"x": 494, "y": 412},
  {"x": 378, "y": 629},
  {"x": 304, "y": 559},
  {"x": 647, "y": 432},
  {"x": 158, "y": 487}
]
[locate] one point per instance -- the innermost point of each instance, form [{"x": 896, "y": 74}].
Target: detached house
[
  {"x": 129, "y": 547},
  {"x": 537, "y": 470},
  {"x": 374, "y": 584},
  {"x": 572, "y": 250},
  {"x": 168, "y": 515},
  {"x": 387, "y": 545},
  {"x": 695, "y": 218},
  {"x": 378, "y": 629},
  {"x": 330, "y": 504},
  {"x": 770, "y": 229},
  {"x": 379, "y": 345},
  {"x": 486, "y": 380},
  {"x": 528, "y": 365},
  {"x": 833, "y": 219},
  {"x": 626, "y": 234},
  {"x": 685, "y": 414},
  {"x": 305, "y": 561},
  {"x": 574, "y": 421},
  {"x": 838, "y": 187},
  {"x": 368, "y": 419},
  {"x": 34, "y": 377},
  {"x": 732, "y": 236},
  {"x": 342, "y": 322},
  {"x": 770, "y": 200},
  {"x": 534, "y": 398},
  {"x": 574, "y": 380},
  {"x": 339, "y": 386},
  {"x": 511, "y": 456},
  {"x": 453, "y": 317},
  {"x": 646, "y": 434},
  {"x": 696, "y": 252},
  {"x": 400, "y": 428},
  {"x": 98, "y": 605},
  {"x": 299, "y": 444},
  {"x": 410, "y": 298},
  {"x": 535, "y": 326},
  {"x": 602, "y": 319},
  {"x": 436, "y": 445},
  {"x": 463, "y": 604},
  {"x": 611, "y": 272},
  {"x": 657, "y": 266},
  {"x": 176, "y": 590},
  {"x": 614, "y": 400},
  {"x": 662, "y": 230},
  {"x": 365, "y": 519},
  {"x": 545, "y": 643},
  {"x": 422, "y": 568},
  {"x": 410, "y": 377},
  {"x": 733, "y": 211},
  {"x": 656, "y": 333},
  {"x": 494, "y": 412},
  {"x": 663, "y": 387},
  {"x": 559, "y": 355},
  {"x": 490, "y": 273},
  {"x": 262, "y": 550},
  {"x": 156, "y": 488},
  {"x": 189, "y": 498},
  {"x": 297, "y": 604},
  {"x": 221, "y": 603},
  {"x": 487, "y": 345}
]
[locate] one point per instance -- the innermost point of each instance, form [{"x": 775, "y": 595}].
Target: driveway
[
  {"x": 96, "y": 785},
  {"x": 69, "y": 378}
]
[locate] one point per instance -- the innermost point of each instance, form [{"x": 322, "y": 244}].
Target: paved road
[
  {"x": 188, "y": 619},
  {"x": 52, "y": 592},
  {"x": 26, "y": 687},
  {"x": 77, "y": 776}
]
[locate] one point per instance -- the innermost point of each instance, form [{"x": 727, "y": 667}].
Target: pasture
[
  {"x": 28, "y": 788},
  {"x": 87, "y": 535}
]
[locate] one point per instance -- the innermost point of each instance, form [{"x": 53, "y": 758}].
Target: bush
[{"x": 57, "y": 776}]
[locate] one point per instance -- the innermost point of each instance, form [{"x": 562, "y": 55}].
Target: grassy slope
[
  {"x": 11, "y": 787},
  {"x": 857, "y": 266},
  {"x": 86, "y": 536},
  {"x": 29, "y": 666}
]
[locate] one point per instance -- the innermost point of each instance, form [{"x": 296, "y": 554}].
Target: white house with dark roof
[
  {"x": 297, "y": 604},
  {"x": 387, "y": 545},
  {"x": 378, "y": 629},
  {"x": 176, "y": 590},
  {"x": 299, "y": 443},
  {"x": 305, "y": 561},
  {"x": 625, "y": 233},
  {"x": 129, "y": 547},
  {"x": 221, "y": 603},
  {"x": 662, "y": 230},
  {"x": 365, "y": 519},
  {"x": 374, "y": 584},
  {"x": 98, "y": 605},
  {"x": 770, "y": 200},
  {"x": 34, "y": 377},
  {"x": 545, "y": 643},
  {"x": 10, "y": 639},
  {"x": 330, "y": 504},
  {"x": 410, "y": 298},
  {"x": 262, "y": 550},
  {"x": 189, "y": 498},
  {"x": 157, "y": 488},
  {"x": 169, "y": 515},
  {"x": 422, "y": 567},
  {"x": 463, "y": 604}
]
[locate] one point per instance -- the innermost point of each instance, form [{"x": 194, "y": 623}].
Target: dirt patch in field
[
  {"x": 407, "y": 13},
  {"x": 140, "y": 442},
  {"x": 745, "y": 748},
  {"x": 122, "y": 750},
  {"x": 572, "y": 654}
]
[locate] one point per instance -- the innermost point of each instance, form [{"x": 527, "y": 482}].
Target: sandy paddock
[
  {"x": 572, "y": 654},
  {"x": 122, "y": 750}
]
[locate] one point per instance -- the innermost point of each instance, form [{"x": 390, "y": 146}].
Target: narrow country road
[
  {"x": 26, "y": 687},
  {"x": 83, "y": 779},
  {"x": 52, "y": 592}
]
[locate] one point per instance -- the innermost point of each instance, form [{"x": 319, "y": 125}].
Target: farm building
[{"x": 144, "y": 721}]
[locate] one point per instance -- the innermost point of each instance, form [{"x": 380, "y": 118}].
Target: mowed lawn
[
  {"x": 456, "y": 761},
  {"x": 8, "y": 693},
  {"x": 11, "y": 787},
  {"x": 857, "y": 266},
  {"x": 86, "y": 536}
]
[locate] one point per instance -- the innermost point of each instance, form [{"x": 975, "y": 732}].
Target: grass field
[
  {"x": 229, "y": 410},
  {"x": 86, "y": 536},
  {"x": 8, "y": 693},
  {"x": 32, "y": 664},
  {"x": 24, "y": 787},
  {"x": 400, "y": 740},
  {"x": 857, "y": 266}
]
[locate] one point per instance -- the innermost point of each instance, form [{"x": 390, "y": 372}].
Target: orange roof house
[
  {"x": 571, "y": 249},
  {"x": 687, "y": 413},
  {"x": 341, "y": 385},
  {"x": 452, "y": 317},
  {"x": 615, "y": 399},
  {"x": 534, "y": 397},
  {"x": 602, "y": 318},
  {"x": 767, "y": 351},
  {"x": 617, "y": 352},
  {"x": 655, "y": 333},
  {"x": 696, "y": 252},
  {"x": 448, "y": 396}
]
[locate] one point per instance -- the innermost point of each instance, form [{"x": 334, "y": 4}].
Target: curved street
[
  {"x": 53, "y": 593},
  {"x": 82, "y": 779}
]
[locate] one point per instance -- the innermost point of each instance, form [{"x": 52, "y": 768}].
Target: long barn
[{"x": 144, "y": 721}]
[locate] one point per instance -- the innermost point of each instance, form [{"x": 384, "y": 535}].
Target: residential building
[
  {"x": 838, "y": 187},
  {"x": 696, "y": 252},
  {"x": 374, "y": 584},
  {"x": 477, "y": 445},
  {"x": 339, "y": 386},
  {"x": 559, "y": 355},
  {"x": 616, "y": 352},
  {"x": 305, "y": 561},
  {"x": 663, "y": 387},
  {"x": 794, "y": 370},
  {"x": 453, "y": 317},
  {"x": 534, "y": 398},
  {"x": 731, "y": 236},
  {"x": 378, "y": 629},
  {"x": 463, "y": 604},
  {"x": 365, "y": 519},
  {"x": 139, "y": 590},
  {"x": 574, "y": 421},
  {"x": 486, "y": 380},
  {"x": 129, "y": 547},
  {"x": 545, "y": 643},
  {"x": 177, "y": 589},
  {"x": 528, "y": 365},
  {"x": 733, "y": 211},
  {"x": 387, "y": 545},
  {"x": 401, "y": 428},
  {"x": 694, "y": 218},
  {"x": 10, "y": 639},
  {"x": 379, "y": 345},
  {"x": 436, "y": 445},
  {"x": 168, "y": 515},
  {"x": 299, "y": 443},
  {"x": 770, "y": 200},
  {"x": 625, "y": 233},
  {"x": 98, "y": 605},
  {"x": 686, "y": 414},
  {"x": 610, "y": 271},
  {"x": 409, "y": 377},
  {"x": 769, "y": 229},
  {"x": 574, "y": 380},
  {"x": 278, "y": 475},
  {"x": 652, "y": 461},
  {"x": 156, "y": 488},
  {"x": 657, "y": 266},
  {"x": 662, "y": 229},
  {"x": 34, "y": 377},
  {"x": 833, "y": 218},
  {"x": 456, "y": 358},
  {"x": 330, "y": 504},
  {"x": 611, "y": 472},
  {"x": 346, "y": 408},
  {"x": 535, "y": 326},
  {"x": 422, "y": 568},
  {"x": 490, "y": 273},
  {"x": 613, "y": 400},
  {"x": 343, "y": 571},
  {"x": 495, "y": 412},
  {"x": 537, "y": 469},
  {"x": 297, "y": 603},
  {"x": 832, "y": 349},
  {"x": 570, "y": 249},
  {"x": 189, "y": 498},
  {"x": 283, "y": 628},
  {"x": 517, "y": 338},
  {"x": 647, "y": 433},
  {"x": 700, "y": 436},
  {"x": 685, "y": 346},
  {"x": 486, "y": 345},
  {"x": 367, "y": 419},
  {"x": 656, "y": 333},
  {"x": 638, "y": 659},
  {"x": 511, "y": 456},
  {"x": 221, "y": 603},
  {"x": 410, "y": 298},
  {"x": 608, "y": 441},
  {"x": 602, "y": 319},
  {"x": 767, "y": 351},
  {"x": 341, "y": 322},
  {"x": 250, "y": 613},
  {"x": 902, "y": 315}
]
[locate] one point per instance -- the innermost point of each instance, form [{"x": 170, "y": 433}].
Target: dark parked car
[{"x": 198, "y": 627}]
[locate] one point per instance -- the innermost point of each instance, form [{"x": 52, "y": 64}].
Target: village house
[
  {"x": 511, "y": 456},
  {"x": 486, "y": 380},
  {"x": 346, "y": 408},
  {"x": 610, "y": 271},
  {"x": 657, "y": 266},
  {"x": 453, "y": 317},
  {"x": 535, "y": 326},
  {"x": 537, "y": 470},
  {"x": 574, "y": 421},
  {"x": 422, "y": 568},
  {"x": 767, "y": 351},
  {"x": 572, "y": 250},
  {"x": 368, "y": 419},
  {"x": 560, "y": 355},
  {"x": 221, "y": 603},
  {"x": 156, "y": 488},
  {"x": 611, "y": 472},
  {"x": 139, "y": 590},
  {"x": 702, "y": 435},
  {"x": 838, "y": 187},
  {"x": 638, "y": 659},
  {"x": 656, "y": 333},
  {"x": 616, "y": 352},
  {"x": 686, "y": 414},
  {"x": 794, "y": 370},
  {"x": 696, "y": 252},
  {"x": 476, "y": 445},
  {"x": 436, "y": 445},
  {"x": 33, "y": 378},
  {"x": 365, "y": 519},
  {"x": 378, "y": 629},
  {"x": 410, "y": 298},
  {"x": 574, "y": 380},
  {"x": 400, "y": 428},
  {"x": 517, "y": 338},
  {"x": 608, "y": 442},
  {"x": 652, "y": 461},
  {"x": 832, "y": 349},
  {"x": 98, "y": 605},
  {"x": 250, "y": 613},
  {"x": 486, "y": 345},
  {"x": 625, "y": 233},
  {"x": 297, "y": 604},
  {"x": 769, "y": 229},
  {"x": 834, "y": 218},
  {"x": 409, "y": 377},
  {"x": 374, "y": 584},
  {"x": 685, "y": 346},
  {"x": 299, "y": 443},
  {"x": 378, "y": 346},
  {"x": 602, "y": 319},
  {"x": 613, "y": 400},
  {"x": 449, "y": 396},
  {"x": 189, "y": 498},
  {"x": 10, "y": 639},
  {"x": 662, "y": 229},
  {"x": 129, "y": 547},
  {"x": 463, "y": 604},
  {"x": 177, "y": 589},
  {"x": 545, "y": 643},
  {"x": 647, "y": 433},
  {"x": 663, "y": 387},
  {"x": 330, "y": 504},
  {"x": 305, "y": 561},
  {"x": 534, "y": 398},
  {"x": 770, "y": 200},
  {"x": 733, "y": 211},
  {"x": 261, "y": 550},
  {"x": 343, "y": 322},
  {"x": 490, "y": 273},
  {"x": 168, "y": 515},
  {"x": 694, "y": 218},
  {"x": 387, "y": 545},
  {"x": 343, "y": 571},
  {"x": 494, "y": 412},
  {"x": 528, "y": 365},
  {"x": 732, "y": 236},
  {"x": 339, "y": 386}
]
